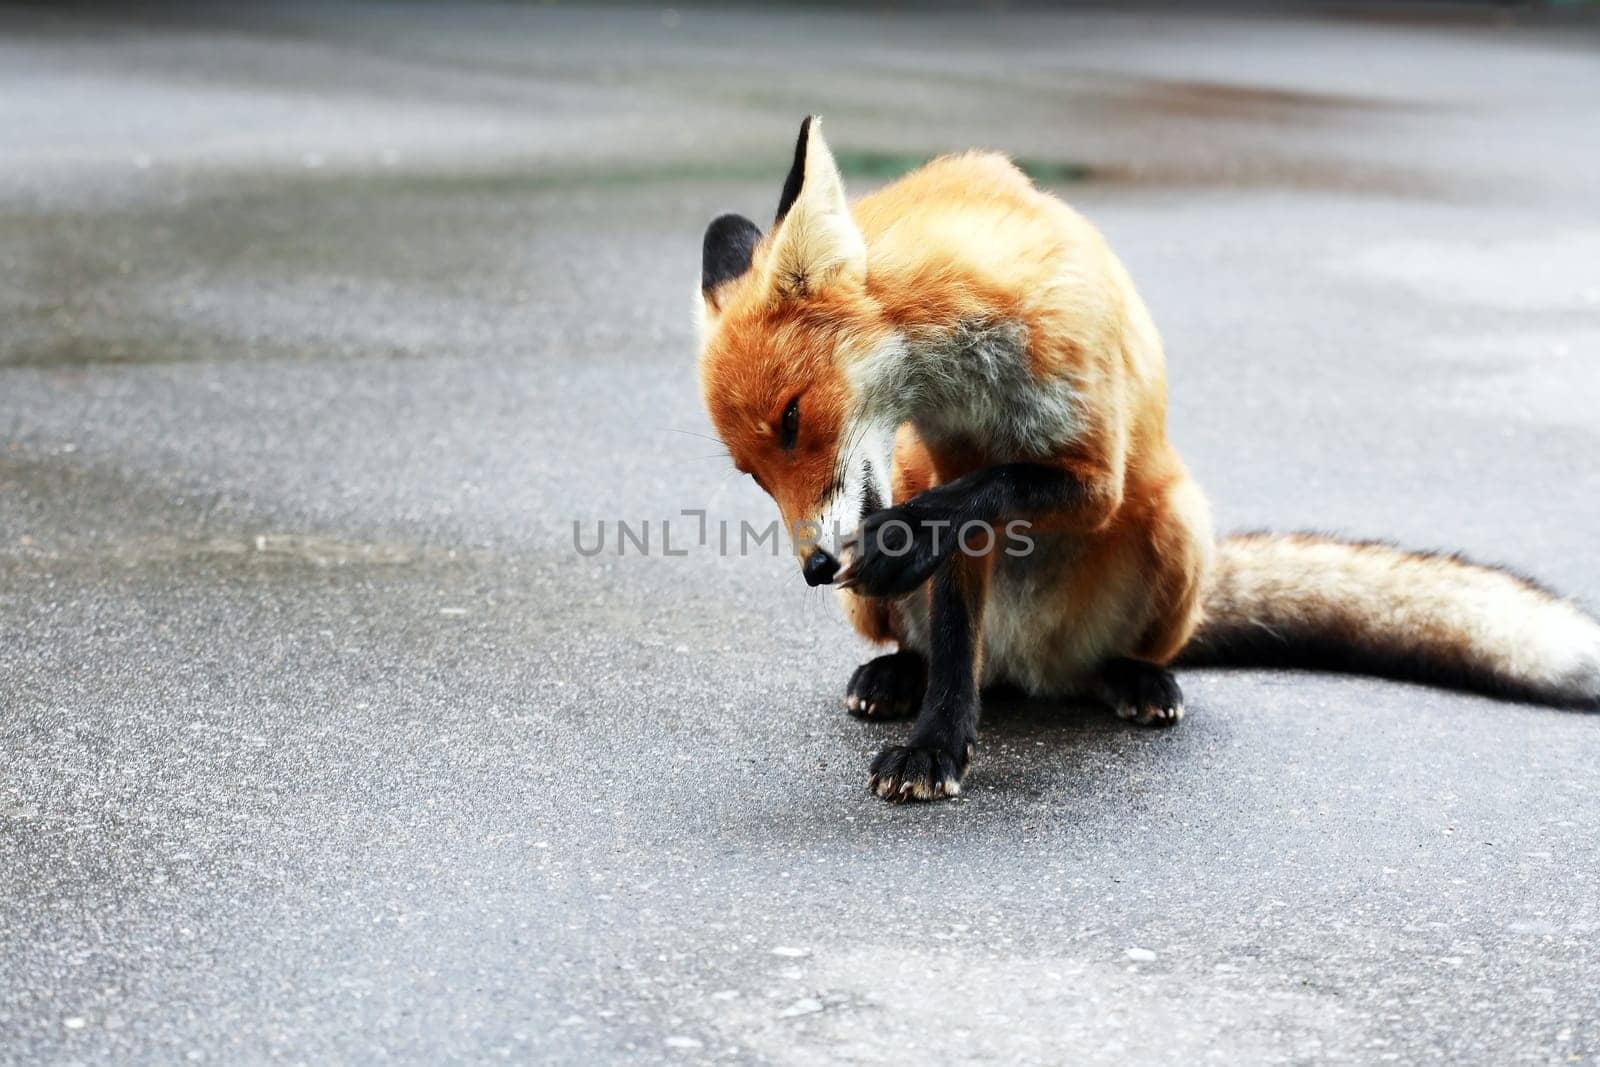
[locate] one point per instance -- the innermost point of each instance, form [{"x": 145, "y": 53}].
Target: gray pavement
[{"x": 320, "y": 325}]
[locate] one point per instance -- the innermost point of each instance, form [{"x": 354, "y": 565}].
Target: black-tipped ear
[
  {"x": 797, "y": 172},
  {"x": 727, "y": 250}
]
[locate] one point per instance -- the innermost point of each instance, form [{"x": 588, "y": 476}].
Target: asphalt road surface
[{"x": 321, "y": 326}]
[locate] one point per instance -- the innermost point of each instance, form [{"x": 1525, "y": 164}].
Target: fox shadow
[{"x": 1037, "y": 747}]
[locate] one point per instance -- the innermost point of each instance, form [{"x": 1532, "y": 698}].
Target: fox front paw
[
  {"x": 897, "y": 549},
  {"x": 909, "y": 772},
  {"x": 889, "y": 687}
]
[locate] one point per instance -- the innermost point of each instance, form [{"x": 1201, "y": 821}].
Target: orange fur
[
  {"x": 976, "y": 321},
  {"x": 968, "y": 239}
]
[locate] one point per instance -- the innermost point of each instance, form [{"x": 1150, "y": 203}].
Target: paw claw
[
  {"x": 1151, "y": 715},
  {"x": 889, "y": 687},
  {"x": 1141, "y": 692},
  {"x": 902, "y": 773},
  {"x": 914, "y": 549}
]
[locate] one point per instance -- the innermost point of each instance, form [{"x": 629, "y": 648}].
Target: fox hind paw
[
  {"x": 1151, "y": 715},
  {"x": 889, "y": 687},
  {"x": 1142, "y": 692}
]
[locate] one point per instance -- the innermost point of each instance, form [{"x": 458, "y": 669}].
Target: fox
[{"x": 960, "y": 352}]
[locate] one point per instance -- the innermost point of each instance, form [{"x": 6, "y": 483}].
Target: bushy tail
[{"x": 1301, "y": 600}]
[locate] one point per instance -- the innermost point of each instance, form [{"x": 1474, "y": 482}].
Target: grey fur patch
[{"x": 971, "y": 384}]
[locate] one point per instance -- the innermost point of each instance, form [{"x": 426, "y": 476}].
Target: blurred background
[{"x": 320, "y": 325}]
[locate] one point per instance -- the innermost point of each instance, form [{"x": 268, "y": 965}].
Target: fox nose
[{"x": 819, "y": 567}]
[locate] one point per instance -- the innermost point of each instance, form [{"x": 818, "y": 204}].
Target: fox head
[{"x": 787, "y": 327}]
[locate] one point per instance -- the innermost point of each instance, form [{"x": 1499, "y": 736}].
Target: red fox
[{"x": 962, "y": 350}]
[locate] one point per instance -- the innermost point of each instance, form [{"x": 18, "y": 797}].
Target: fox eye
[{"x": 789, "y": 428}]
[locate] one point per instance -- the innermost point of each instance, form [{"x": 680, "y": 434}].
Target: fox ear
[
  {"x": 815, "y": 241},
  {"x": 725, "y": 254}
]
